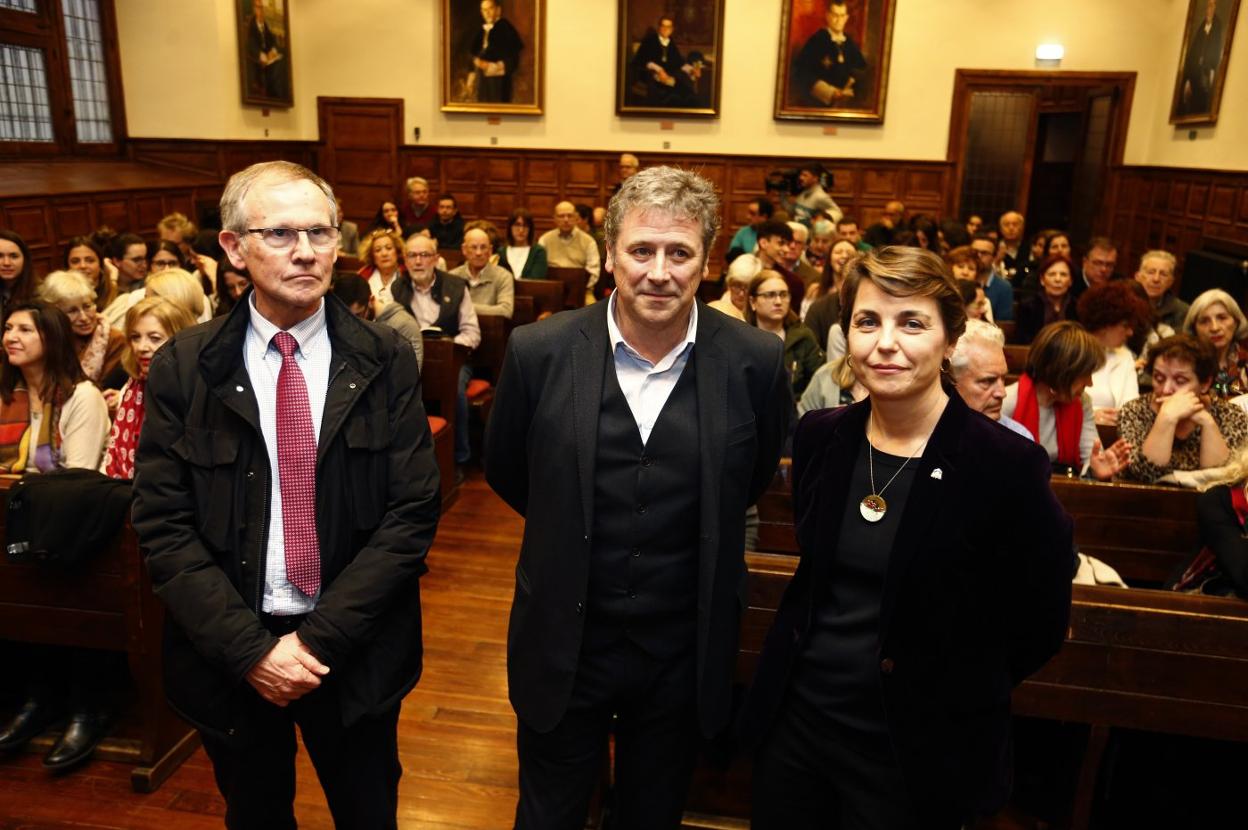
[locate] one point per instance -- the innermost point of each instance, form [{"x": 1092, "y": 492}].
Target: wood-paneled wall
[{"x": 1174, "y": 209}]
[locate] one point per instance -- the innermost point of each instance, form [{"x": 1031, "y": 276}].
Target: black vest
[
  {"x": 447, "y": 289},
  {"x": 643, "y": 574}
]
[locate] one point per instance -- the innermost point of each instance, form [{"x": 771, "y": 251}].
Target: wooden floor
[{"x": 456, "y": 733}]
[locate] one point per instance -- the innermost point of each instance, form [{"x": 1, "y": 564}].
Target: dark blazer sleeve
[
  {"x": 506, "y": 434},
  {"x": 776, "y": 416},
  {"x": 197, "y": 593},
  {"x": 352, "y": 606},
  {"x": 1221, "y": 531},
  {"x": 535, "y": 266},
  {"x": 1039, "y": 540}
]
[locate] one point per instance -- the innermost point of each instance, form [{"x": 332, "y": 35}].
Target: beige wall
[{"x": 179, "y": 65}]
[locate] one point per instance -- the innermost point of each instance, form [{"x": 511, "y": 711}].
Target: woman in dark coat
[{"x": 935, "y": 576}]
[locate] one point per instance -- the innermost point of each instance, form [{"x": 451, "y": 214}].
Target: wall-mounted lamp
[{"x": 1049, "y": 55}]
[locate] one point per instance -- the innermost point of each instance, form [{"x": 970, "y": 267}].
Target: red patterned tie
[{"x": 296, "y": 470}]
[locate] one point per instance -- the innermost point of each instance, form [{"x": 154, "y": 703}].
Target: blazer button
[
  {"x": 251, "y": 474},
  {"x": 886, "y": 665},
  {"x": 646, "y": 461},
  {"x": 580, "y": 608}
]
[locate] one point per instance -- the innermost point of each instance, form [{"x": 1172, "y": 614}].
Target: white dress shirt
[
  {"x": 263, "y": 363},
  {"x": 647, "y": 386}
]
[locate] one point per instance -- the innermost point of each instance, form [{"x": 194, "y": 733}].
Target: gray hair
[
  {"x": 1164, "y": 256},
  {"x": 799, "y": 228},
  {"x": 238, "y": 188},
  {"x": 1212, "y": 297},
  {"x": 681, "y": 193},
  {"x": 979, "y": 330},
  {"x": 743, "y": 269},
  {"x": 416, "y": 180},
  {"x": 65, "y": 287}
]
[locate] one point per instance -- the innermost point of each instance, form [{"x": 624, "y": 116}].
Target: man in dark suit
[
  {"x": 632, "y": 435},
  {"x": 267, "y": 63},
  {"x": 495, "y": 51},
  {"x": 830, "y": 70},
  {"x": 286, "y": 495}
]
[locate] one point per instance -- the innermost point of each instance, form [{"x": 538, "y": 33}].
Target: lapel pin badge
[{"x": 937, "y": 474}]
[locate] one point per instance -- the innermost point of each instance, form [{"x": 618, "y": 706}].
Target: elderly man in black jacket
[{"x": 286, "y": 495}]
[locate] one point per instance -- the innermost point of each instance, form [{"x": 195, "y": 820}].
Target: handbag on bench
[{"x": 63, "y": 518}]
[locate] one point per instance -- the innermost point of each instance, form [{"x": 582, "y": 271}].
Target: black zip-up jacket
[{"x": 201, "y": 510}]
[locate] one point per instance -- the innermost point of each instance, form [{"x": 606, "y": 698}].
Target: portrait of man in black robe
[{"x": 495, "y": 50}]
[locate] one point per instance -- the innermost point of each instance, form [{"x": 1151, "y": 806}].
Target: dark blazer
[
  {"x": 540, "y": 451},
  {"x": 201, "y": 496},
  {"x": 976, "y": 596},
  {"x": 1030, "y": 319},
  {"x": 448, "y": 289}
]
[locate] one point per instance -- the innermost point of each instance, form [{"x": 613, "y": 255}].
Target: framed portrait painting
[
  {"x": 493, "y": 56},
  {"x": 833, "y": 63},
  {"x": 1202, "y": 61},
  {"x": 669, "y": 57},
  {"x": 264, "y": 52}
]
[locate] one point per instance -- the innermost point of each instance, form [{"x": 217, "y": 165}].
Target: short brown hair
[
  {"x": 1062, "y": 353},
  {"x": 906, "y": 272},
  {"x": 761, "y": 277},
  {"x": 171, "y": 316},
  {"x": 1102, "y": 306},
  {"x": 1185, "y": 347}
]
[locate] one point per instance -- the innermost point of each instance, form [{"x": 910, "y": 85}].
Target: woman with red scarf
[
  {"x": 1051, "y": 400},
  {"x": 149, "y": 324}
]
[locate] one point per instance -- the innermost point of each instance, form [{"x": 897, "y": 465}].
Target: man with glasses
[
  {"x": 1097, "y": 267},
  {"x": 997, "y": 289},
  {"x": 441, "y": 302},
  {"x": 129, "y": 257},
  {"x": 286, "y": 496}
]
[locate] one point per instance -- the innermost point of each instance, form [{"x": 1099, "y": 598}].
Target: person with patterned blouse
[{"x": 1180, "y": 425}]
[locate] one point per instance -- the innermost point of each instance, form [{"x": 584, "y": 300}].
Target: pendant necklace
[{"x": 873, "y": 507}]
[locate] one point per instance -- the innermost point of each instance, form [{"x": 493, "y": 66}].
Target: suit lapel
[
  {"x": 589, "y": 352},
  {"x": 712, "y": 383},
  {"x": 832, "y": 490}
]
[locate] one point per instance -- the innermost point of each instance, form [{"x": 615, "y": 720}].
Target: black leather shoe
[
  {"x": 30, "y": 720},
  {"x": 82, "y": 734}
]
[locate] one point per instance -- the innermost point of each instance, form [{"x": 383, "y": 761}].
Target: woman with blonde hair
[
  {"x": 180, "y": 288},
  {"x": 382, "y": 254},
  {"x": 99, "y": 346},
  {"x": 1215, "y": 318},
  {"x": 149, "y": 324}
]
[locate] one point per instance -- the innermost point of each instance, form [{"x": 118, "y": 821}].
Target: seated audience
[
  {"x": 1179, "y": 425},
  {"x": 441, "y": 304},
  {"x": 522, "y": 256},
  {"x": 628, "y": 165},
  {"x": 1221, "y": 512},
  {"x": 98, "y": 345},
  {"x": 387, "y": 219},
  {"x": 492, "y": 288},
  {"x": 1215, "y": 318},
  {"x": 774, "y": 241},
  {"x": 925, "y": 233},
  {"x": 380, "y": 253},
  {"x": 1058, "y": 244},
  {"x": 182, "y": 232},
  {"x": 770, "y": 310},
  {"x": 128, "y": 258},
  {"x": 1098, "y": 265},
  {"x": 180, "y": 288},
  {"x": 892, "y": 219},
  {"x": 977, "y": 307},
  {"x": 811, "y": 199},
  {"x": 165, "y": 254},
  {"x": 348, "y": 234},
  {"x": 825, "y": 310},
  {"x": 998, "y": 289},
  {"x": 822, "y": 238},
  {"x": 357, "y": 296},
  {"x": 1013, "y": 259},
  {"x": 1112, "y": 312},
  {"x": 952, "y": 234},
  {"x": 150, "y": 323},
  {"x": 847, "y": 229},
  {"x": 973, "y": 224},
  {"x": 52, "y": 418},
  {"x": 737, "y": 286},
  {"x": 1156, "y": 274},
  {"x": 1051, "y": 401},
  {"x": 232, "y": 284},
  {"x": 448, "y": 230},
  {"x": 793, "y": 258},
  {"x": 744, "y": 241},
  {"x": 17, "y": 271},
  {"x": 1052, "y": 303},
  {"x": 417, "y": 209},
  {"x": 567, "y": 246},
  {"x": 85, "y": 256},
  {"x": 978, "y": 370},
  {"x": 833, "y": 384}
]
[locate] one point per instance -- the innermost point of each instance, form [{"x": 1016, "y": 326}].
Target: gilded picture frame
[
  {"x": 493, "y": 56},
  {"x": 669, "y": 58},
  {"x": 264, "y": 66},
  {"x": 1203, "y": 57}
]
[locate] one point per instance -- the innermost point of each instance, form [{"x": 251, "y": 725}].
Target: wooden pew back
[
  {"x": 574, "y": 281},
  {"x": 547, "y": 295},
  {"x": 440, "y": 392}
]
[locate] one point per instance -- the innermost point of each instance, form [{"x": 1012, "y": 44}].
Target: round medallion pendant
[{"x": 872, "y": 508}]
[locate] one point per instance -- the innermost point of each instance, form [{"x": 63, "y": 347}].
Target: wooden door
[{"x": 359, "y": 152}]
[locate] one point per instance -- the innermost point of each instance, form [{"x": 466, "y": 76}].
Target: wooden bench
[
  {"x": 109, "y": 605},
  {"x": 547, "y": 295},
  {"x": 1016, "y": 358},
  {"x": 440, "y": 391},
  {"x": 574, "y": 281},
  {"x": 525, "y": 312},
  {"x": 454, "y": 257},
  {"x": 1009, "y": 328}
]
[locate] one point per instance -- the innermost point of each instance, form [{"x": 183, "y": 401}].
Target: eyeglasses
[
  {"x": 422, "y": 254},
  {"x": 772, "y": 295},
  {"x": 321, "y": 237},
  {"x": 162, "y": 264}
]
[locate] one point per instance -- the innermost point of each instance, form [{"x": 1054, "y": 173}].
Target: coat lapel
[
  {"x": 711, "y": 370},
  {"x": 589, "y": 352},
  {"x": 832, "y": 490}
]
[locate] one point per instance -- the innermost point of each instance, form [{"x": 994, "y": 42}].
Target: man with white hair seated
[
  {"x": 979, "y": 370},
  {"x": 737, "y": 286}
]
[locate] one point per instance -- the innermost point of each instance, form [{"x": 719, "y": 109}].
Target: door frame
[{"x": 968, "y": 81}]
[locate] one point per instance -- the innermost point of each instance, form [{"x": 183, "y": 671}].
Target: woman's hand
[
  {"x": 1107, "y": 463},
  {"x": 112, "y": 397},
  {"x": 1180, "y": 406}
]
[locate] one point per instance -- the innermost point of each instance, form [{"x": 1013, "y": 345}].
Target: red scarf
[
  {"x": 123, "y": 440},
  {"x": 1069, "y": 418}
]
